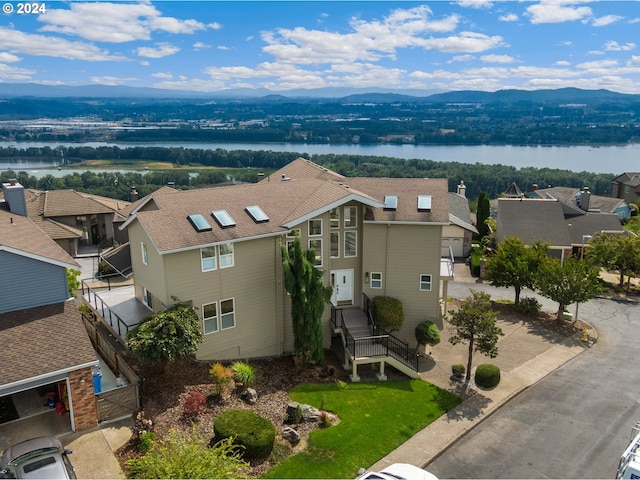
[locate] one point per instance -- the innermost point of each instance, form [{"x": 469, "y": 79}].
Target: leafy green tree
[
  {"x": 616, "y": 252},
  {"x": 304, "y": 284},
  {"x": 567, "y": 282},
  {"x": 73, "y": 281},
  {"x": 475, "y": 323},
  {"x": 515, "y": 265},
  {"x": 167, "y": 336},
  {"x": 482, "y": 214},
  {"x": 189, "y": 455}
]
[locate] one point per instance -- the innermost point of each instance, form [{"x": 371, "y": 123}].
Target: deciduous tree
[
  {"x": 515, "y": 265},
  {"x": 616, "y": 252},
  {"x": 309, "y": 295},
  {"x": 567, "y": 282},
  {"x": 475, "y": 323}
]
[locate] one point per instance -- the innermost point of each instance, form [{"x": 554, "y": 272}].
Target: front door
[{"x": 342, "y": 283}]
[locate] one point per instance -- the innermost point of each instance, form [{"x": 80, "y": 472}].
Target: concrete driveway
[{"x": 575, "y": 423}]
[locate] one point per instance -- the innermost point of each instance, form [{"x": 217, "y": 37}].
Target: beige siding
[
  {"x": 152, "y": 275},
  {"x": 401, "y": 253},
  {"x": 253, "y": 284}
]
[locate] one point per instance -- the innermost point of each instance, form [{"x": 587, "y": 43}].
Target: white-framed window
[
  {"x": 210, "y": 317},
  {"x": 335, "y": 244},
  {"x": 375, "y": 280},
  {"x": 425, "y": 282},
  {"x": 316, "y": 246},
  {"x": 315, "y": 227},
  {"x": 147, "y": 298},
  {"x": 226, "y": 255},
  {"x": 350, "y": 244},
  {"x": 145, "y": 257},
  {"x": 334, "y": 218},
  {"x": 208, "y": 258},
  {"x": 627, "y": 189},
  {"x": 227, "y": 314},
  {"x": 350, "y": 217}
]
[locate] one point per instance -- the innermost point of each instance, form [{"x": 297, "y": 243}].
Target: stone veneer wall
[{"x": 85, "y": 413}]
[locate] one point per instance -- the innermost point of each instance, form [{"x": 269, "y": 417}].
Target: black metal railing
[
  {"x": 382, "y": 343},
  {"x": 116, "y": 323},
  {"x": 337, "y": 317}
]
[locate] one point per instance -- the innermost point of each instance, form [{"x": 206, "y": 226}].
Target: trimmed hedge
[
  {"x": 487, "y": 375},
  {"x": 255, "y": 433},
  {"x": 427, "y": 333},
  {"x": 389, "y": 313}
]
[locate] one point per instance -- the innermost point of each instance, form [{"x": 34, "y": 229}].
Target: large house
[
  {"x": 46, "y": 355},
  {"x": 74, "y": 220},
  {"x": 219, "y": 249},
  {"x": 626, "y": 186},
  {"x": 583, "y": 199}
]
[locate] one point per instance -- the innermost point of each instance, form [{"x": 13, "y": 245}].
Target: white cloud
[
  {"x": 113, "y": 22},
  {"x": 163, "y": 75},
  {"x": 557, "y": 11},
  {"x": 634, "y": 61},
  {"x": 200, "y": 45},
  {"x": 470, "y": 42},
  {"x": 509, "y": 17},
  {"x": 475, "y": 3},
  {"x": 595, "y": 52},
  {"x": 8, "y": 58},
  {"x": 19, "y": 42},
  {"x": 612, "y": 46},
  {"x": 562, "y": 63},
  {"x": 635, "y": 20},
  {"x": 109, "y": 80},
  {"x": 223, "y": 47},
  {"x": 497, "y": 58},
  {"x": 461, "y": 58},
  {"x": 598, "y": 64},
  {"x": 13, "y": 73},
  {"x": 162, "y": 50},
  {"x": 606, "y": 20},
  {"x": 214, "y": 26}
]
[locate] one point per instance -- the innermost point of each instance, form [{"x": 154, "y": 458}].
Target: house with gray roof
[
  {"x": 46, "y": 352},
  {"x": 219, "y": 249},
  {"x": 562, "y": 226},
  {"x": 626, "y": 186},
  {"x": 583, "y": 199}
]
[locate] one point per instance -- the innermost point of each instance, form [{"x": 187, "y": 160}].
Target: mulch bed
[{"x": 546, "y": 319}]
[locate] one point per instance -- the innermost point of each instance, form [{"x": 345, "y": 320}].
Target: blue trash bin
[{"x": 97, "y": 379}]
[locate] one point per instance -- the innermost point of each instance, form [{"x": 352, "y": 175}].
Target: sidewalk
[{"x": 527, "y": 353}]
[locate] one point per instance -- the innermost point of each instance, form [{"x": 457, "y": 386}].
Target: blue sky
[{"x": 377, "y": 45}]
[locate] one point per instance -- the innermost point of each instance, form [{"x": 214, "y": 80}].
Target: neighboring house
[
  {"x": 45, "y": 348},
  {"x": 219, "y": 249},
  {"x": 459, "y": 233},
  {"x": 72, "y": 219},
  {"x": 565, "y": 228},
  {"x": 626, "y": 186},
  {"x": 585, "y": 200}
]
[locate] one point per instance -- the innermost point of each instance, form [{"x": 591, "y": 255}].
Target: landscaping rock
[
  {"x": 291, "y": 435},
  {"x": 250, "y": 396},
  {"x": 309, "y": 413}
]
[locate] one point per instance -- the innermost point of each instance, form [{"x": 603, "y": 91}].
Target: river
[{"x": 606, "y": 159}]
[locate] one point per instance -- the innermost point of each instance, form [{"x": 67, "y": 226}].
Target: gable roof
[
  {"x": 43, "y": 340},
  {"x": 459, "y": 212},
  {"x": 550, "y": 221},
  {"x": 301, "y": 169},
  {"x": 21, "y": 236},
  {"x": 287, "y": 202},
  {"x": 572, "y": 196},
  {"x": 513, "y": 191},
  {"x": 628, "y": 178},
  {"x": 62, "y": 203}
]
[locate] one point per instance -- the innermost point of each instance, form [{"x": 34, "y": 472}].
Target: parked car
[
  {"x": 397, "y": 471},
  {"x": 41, "y": 457}
]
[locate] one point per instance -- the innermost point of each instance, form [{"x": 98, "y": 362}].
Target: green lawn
[{"x": 375, "y": 419}]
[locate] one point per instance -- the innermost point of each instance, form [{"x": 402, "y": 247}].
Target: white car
[{"x": 397, "y": 471}]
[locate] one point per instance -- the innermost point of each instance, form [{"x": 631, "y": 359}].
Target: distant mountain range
[{"x": 342, "y": 95}]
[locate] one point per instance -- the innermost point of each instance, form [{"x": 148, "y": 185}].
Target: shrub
[
  {"x": 487, "y": 375},
  {"x": 187, "y": 455},
  {"x": 427, "y": 333},
  {"x": 193, "y": 404},
  {"x": 529, "y": 306},
  {"x": 244, "y": 373},
  {"x": 253, "y": 432},
  {"x": 389, "y": 314},
  {"x": 145, "y": 442},
  {"x": 222, "y": 377},
  {"x": 458, "y": 370},
  {"x": 105, "y": 268},
  {"x": 324, "y": 420},
  {"x": 476, "y": 257}
]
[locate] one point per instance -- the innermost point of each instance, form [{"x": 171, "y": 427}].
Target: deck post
[
  {"x": 354, "y": 373},
  {"x": 381, "y": 375}
]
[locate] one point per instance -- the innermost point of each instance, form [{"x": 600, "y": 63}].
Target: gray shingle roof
[{"x": 532, "y": 220}]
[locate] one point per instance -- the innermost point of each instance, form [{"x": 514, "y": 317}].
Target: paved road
[{"x": 575, "y": 423}]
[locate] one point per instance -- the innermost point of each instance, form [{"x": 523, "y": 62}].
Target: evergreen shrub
[
  {"x": 487, "y": 375},
  {"x": 253, "y": 432}
]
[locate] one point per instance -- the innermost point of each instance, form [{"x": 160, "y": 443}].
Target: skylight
[
  {"x": 390, "y": 202},
  {"x": 223, "y": 218},
  {"x": 424, "y": 203},
  {"x": 257, "y": 214},
  {"x": 199, "y": 223}
]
